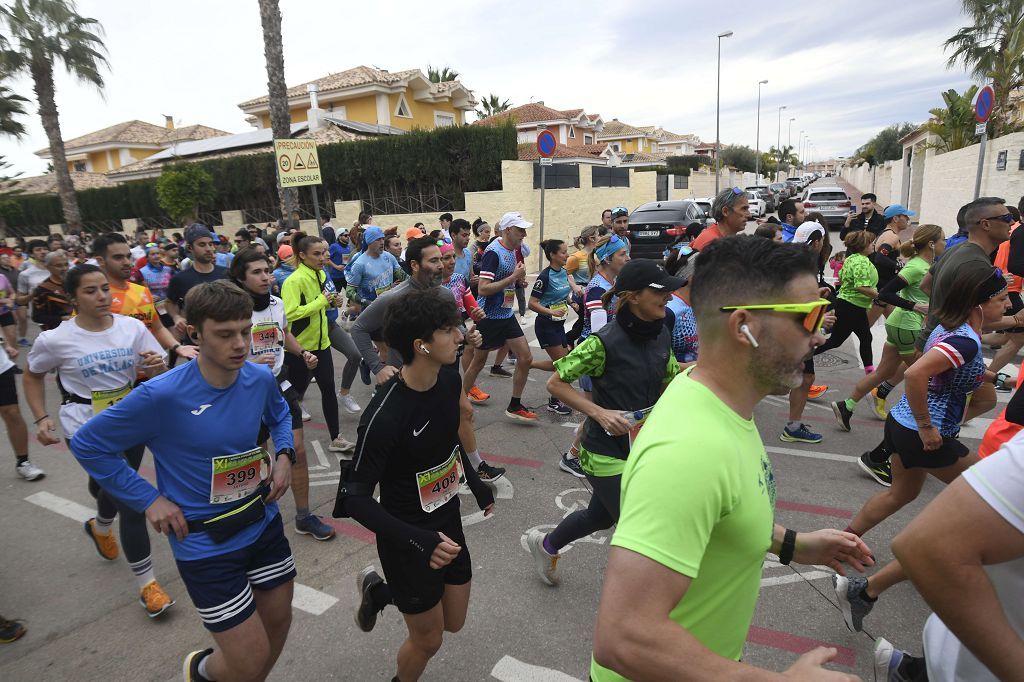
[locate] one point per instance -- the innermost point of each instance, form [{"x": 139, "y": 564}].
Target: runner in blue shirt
[
  {"x": 375, "y": 271},
  {"x": 500, "y": 273},
  {"x": 461, "y": 233},
  {"x": 217, "y": 490},
  {"x": 550, "y": 300}
]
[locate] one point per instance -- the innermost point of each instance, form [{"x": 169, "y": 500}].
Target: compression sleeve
[
  {"x": 368, "y": 513},
  {"x": 890, "y": 293},
  {"x": 481, "y": 492},
  {"x": 99, "y": 443}
]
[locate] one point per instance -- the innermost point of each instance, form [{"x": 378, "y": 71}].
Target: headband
[
  {"x": 991, "y": 287},
  {"x": 608, "y": 249}
]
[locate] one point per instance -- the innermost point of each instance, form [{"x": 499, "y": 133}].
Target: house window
[
  {"x": 402, "y": 110},
  {"x": 588, "y": 139},
  {"x": 606, "y": 176},
  {"x": 572, "y": 132},
  {"x": 615, "y": 146},
  {"x": 558, "y": 176},
  {"x": 443, "y": 119},
  {"x": 79, "y": 166},
  {"x": 681, "y": 181}
]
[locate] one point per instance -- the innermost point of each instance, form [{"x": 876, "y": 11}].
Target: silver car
[{"x": 830, "y": 201}]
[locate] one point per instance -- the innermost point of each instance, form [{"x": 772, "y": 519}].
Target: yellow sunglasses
[{"x": 813, "y": 311}]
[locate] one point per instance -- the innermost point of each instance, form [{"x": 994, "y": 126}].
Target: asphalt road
[{"x": 85, "y": 622}]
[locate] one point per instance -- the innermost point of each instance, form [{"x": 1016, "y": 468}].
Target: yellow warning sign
[{"x": 297, "y": 163}]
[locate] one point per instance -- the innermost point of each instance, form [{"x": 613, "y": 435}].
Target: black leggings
[
  {"x": 300, "y": 377},
  {"x": 602, "y": 512},
  {"x": 132, "y": 524},
  {"x": 850, "y": 319}
]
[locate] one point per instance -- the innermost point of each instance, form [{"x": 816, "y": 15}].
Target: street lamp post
[
  {"x": 757, "y": 143},
  {"x": 789, "y": 142},
  {"x": 778, "y": 140},
  {"x": 718, "y": 93},
  {"x": 799, "y": 148}
]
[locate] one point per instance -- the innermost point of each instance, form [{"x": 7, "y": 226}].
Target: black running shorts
[
  {"x": 415, "y": 586},
  {"x": 907, "y": 443}
]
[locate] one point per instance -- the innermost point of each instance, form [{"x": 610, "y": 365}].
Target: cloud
[{"x": 843, "y": 70}]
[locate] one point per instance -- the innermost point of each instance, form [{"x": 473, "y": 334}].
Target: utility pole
[
  {"x": 757, "y": 143},
  {"x": 718, "y": 93}
]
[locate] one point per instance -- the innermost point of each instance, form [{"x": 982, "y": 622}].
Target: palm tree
[
  {"x": 441, "y": 75},
  {"x": 954, "y": 124},
  {"x": 491, "y": 105},
  {"x": 992, "y": 47},
  {"x": 280, "y": 117},
  {"x": 11, "y": 106},
  {"x": 41, "y": 33}
]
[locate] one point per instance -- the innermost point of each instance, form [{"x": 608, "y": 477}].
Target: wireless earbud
[
  {"x": 745, "y": 330},
  {"x": 424, "y": 349}
]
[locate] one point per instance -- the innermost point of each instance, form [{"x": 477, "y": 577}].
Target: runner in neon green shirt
[{"x": 698, "y": 493}]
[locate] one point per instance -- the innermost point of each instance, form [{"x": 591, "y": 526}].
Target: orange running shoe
[
  {"x": 477, "y": 397},
  {"x": 522, "y": 414},
  {"x": 816, "y": 391},
  {"x": 154, "y": 599},
  {"x": 106, "y": 543}
]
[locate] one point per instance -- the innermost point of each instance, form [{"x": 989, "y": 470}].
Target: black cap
[
  {"x": 198, "y": 231},
  {"x": 645, "y": 274}
]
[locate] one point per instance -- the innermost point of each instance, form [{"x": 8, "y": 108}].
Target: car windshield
[
  {"x": 828, "y": 196},
  {"x": 658, "y": 215},
  {"x": 776, "y": 186}
]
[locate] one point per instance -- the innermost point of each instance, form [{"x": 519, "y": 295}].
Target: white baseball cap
[
  {"x": 805, "y": 233},
  {"x": 513, "y": 219}
]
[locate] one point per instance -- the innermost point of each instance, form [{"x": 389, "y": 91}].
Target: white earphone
[
  {"x": 424, "y": 349},
  {"x": 745, "y": 330}
]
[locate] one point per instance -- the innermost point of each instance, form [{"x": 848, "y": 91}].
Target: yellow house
[
  {"x": 403, "y": 100},
  {"x": 119, "y": 145},
  {"x": 626, "y": 139}
]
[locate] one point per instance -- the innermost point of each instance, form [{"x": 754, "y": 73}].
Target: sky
[{"x": 843, "y": 70}]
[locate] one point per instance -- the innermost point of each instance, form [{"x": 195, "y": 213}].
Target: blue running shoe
[
  {"x": 799, "y": 435},
  {"x": 312, "y": 525}
]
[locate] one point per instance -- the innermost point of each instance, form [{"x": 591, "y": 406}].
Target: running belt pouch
[{"x": 221, "y": 528}]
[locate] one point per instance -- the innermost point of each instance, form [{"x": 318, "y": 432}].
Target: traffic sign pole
[
  {"x": 982, "y": 110},
  {"x": 546, "y": 145},
  {"x": 981, "y": 165},
  {"x": 540, "y": 251}
]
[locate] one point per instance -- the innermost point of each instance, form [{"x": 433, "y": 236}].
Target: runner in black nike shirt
[{"x": 409, "y": 444}]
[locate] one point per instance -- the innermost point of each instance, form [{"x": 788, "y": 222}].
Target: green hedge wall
[{"x": 447, "y": 161}]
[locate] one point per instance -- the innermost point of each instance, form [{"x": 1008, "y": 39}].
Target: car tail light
[
  {"x": 809, "y": 204},
  {"x": 676, "y": 231},
  {"x": 844, "y": 204}
]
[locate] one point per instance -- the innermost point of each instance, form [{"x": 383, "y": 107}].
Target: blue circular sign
[
  {"x": 983, "y": 105},
  {"x": 546, "y": 143}
]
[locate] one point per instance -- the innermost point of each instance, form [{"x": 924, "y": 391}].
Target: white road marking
[
  {"x": 321, "y": 457},
  {"x": 312, "y": 601},
  {"x": 71, "y": 510},
  {"x": 509, "y": 669},
  {"x": 793, "y": 578},
  {"x": 811, "y": 453},
  {"x": 784, "y": 402},
  {"x": 975, "y": 428},
  {"x": 328, "y": 481},
  {"x": 571, "y": 425}
]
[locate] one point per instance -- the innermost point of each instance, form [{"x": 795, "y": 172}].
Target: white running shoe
[
  {"x": 306, "y": 416},
  {"x": 344, "y": 448},
  {"x": 29, "y": 471},
  {"x": 546, "y": 564},
  {"x": 349, "y": 403}
]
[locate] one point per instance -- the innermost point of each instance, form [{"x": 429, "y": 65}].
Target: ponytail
[
  {"x": 923, "y": 235},
  {"x": 551, "y": 247}
]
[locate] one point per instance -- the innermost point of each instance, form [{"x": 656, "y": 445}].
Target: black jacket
[{"x": 875, "y": 224}]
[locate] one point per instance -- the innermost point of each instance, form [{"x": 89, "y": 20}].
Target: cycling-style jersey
[
  {"x": 948, "y": 391},
  {"x": 596, "y": 288},
  {"x": 156, "y": 280},
  {"x": 684, "y": 331},
  {"x": 497, "y": 264},
  {"x": 135, "y": 301}
]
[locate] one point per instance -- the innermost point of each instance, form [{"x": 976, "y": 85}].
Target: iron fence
[{"x": 388, "y": 204}]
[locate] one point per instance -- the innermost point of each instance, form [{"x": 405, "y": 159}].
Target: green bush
[
  {"x": 181, "y": 189},
  {"x": 448, "y": 162}
]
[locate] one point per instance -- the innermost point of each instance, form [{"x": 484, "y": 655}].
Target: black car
[{"x": 655, "y": 226}]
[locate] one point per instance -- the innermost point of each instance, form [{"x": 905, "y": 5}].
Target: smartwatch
[
  {"x": 788, "y": 547},
  {"x": 289, "y": 453}
]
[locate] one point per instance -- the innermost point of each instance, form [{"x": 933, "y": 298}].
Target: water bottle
[{"x": 634, "y": 417}]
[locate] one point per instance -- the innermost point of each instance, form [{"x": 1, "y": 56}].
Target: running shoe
[
  {"x": 522, "y": 414},
  {"x": 890, "y": 662},
  {"x": 190, "y": 670},
  {"x": 154, "y": 599},
  {"x": 488, "y": 473},
  {"x": 29, "y": 471},
  {"x": 306, "y": 416},
  {"x": 854, "y": 606},
  {"x": 478, "y": 397},
  {"x": 558, "y": 407},
  {"x": 348, "y": 403},
  {"x": 24, "y": 343},
  {"x": 878, "y": 405},
  {"x": 816, "y": 391},
  {"x": 571, "y": 465},
  {"x": 11, "y": 630},
  {"x": 800, "y": 435},
  {"x": 339, "y": 444},
  {"x": 882, "y": 473},
  {"x": 500, "y": 372},
  {"x": 364, "y": 373},
  {"x": 366, "y": 612},
  {"x": 106, "y": 543},
  {"x": 311, "y": 524},
  {"x": 843, "y": 414},
  {"x": 545, "y": 563},
  {"x": 1006, "y": 386}
]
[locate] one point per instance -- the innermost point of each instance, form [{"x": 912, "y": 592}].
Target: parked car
[
  {"x": 766, "y": 195},
  {"x": 705, "y": 205},
  {"x": 795, "y": 186},
  {"x": 757, "y": 205},
  {"x": 781, "y": 190},
  {"x": 831, "y": 201},
  {"x": 654, "y": 226}
]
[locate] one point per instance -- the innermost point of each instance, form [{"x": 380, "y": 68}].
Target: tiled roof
[
  {"x": 572, "y": 113},
  {"x": 355, "y": 77},
  {"x": 643, "y": 157},
  {"x": 528, "y": 151},
  {"x": 139, "y": 132},
  {"x": 526, "y": 113},
  {"x": 616, "y": 128},
  {"x": 47, "y": 184}
]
